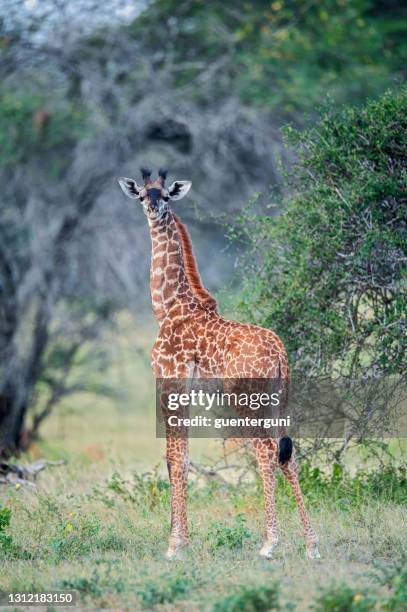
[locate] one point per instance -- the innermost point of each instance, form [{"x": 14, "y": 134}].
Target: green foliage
[
  {"x": 30, "y": 125},
  {"x": 394, "y": 578},
  {"x": 339, "y": 487},
  {"x": 285, "y": 54},
  {"x": 100, "y": 582},
  {"x": 250, "y": 599},
  {"x": 6, "y": 541},
  {"x": 88, "y": 586},
  {"x": 230, "y": 536},
  {"x": 133, "y": 576},
  {"x": 81, "y": 536},
  {"x": 147, "y": 489},
  {"x": 75, "y": 537},
  {"x": 378, "y": 478},
  {"x": 8, "y": 548},
  {"x": 328, "y": 274},
  {"x": 5, "y": 517},
  {"x": 166, "y": 590},
  {"x": 343, "y": 598}
]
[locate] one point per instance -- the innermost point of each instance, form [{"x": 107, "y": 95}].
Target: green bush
[
  {"x": 250, "y": 599},
  {"x": 283, "y": 55},
  {"x": 343, "y": 598},
  {"x": 167, "y": 590},
  {"x": 338, "y": 486},
  {"x": 327, "y": 274},
  {"x": 229, "y": 536},
  {"x": 76, "y": 537},
  {"x": 148, "y": 489},
  {"x": 99, "y": 582},
  {"x": 394, "y": 578},
  {"x": 8, "y": 548},
  {"x": 88, "y": 586},
  {"x": 6, "y": 541},
  {"x": 22, "y": 138}
]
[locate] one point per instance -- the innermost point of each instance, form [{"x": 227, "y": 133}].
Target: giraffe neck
[{"x": 168, "y": 280}]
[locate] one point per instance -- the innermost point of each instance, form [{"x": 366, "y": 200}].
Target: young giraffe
[{"x": 195, "y": 341}]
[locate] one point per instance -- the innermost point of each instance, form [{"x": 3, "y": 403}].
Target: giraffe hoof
[
  {"x": 313, "y": 552},
  {"x": 175, "y": 554},
  {"x": 267, "y": 550}
]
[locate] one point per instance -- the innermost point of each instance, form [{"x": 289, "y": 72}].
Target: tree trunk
[
  {"x": 12, "y": 413},
  {"x": 17, "y": 390}
]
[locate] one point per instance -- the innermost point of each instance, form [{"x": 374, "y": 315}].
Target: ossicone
[
  {"x": 146, "y": 174},
  {"x": 162, "y": 173}
]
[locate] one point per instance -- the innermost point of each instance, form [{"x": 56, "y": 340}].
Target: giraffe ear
[
  {"x": 130, "y": 187},
  {"x": 179, "y": 189}
]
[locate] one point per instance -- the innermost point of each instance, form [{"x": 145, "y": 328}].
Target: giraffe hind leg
[
  {"x": 290, "y": 471},
  {"x": 266, "y": 454}
]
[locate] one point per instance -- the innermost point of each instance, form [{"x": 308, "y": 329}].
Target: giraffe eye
[
  {"x": 141, "y": 198},
  {"x": 166, "y": 198}
]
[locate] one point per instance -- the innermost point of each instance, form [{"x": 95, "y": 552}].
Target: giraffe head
[{"x": 153, "y": 195}]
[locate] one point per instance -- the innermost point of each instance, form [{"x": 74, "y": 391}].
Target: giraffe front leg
[
  {"x": 290, "y": 471},
  {"x": 267, "y": 459},
  {"x": 178, "y": 463}
]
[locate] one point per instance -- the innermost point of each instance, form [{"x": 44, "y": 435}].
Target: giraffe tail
[{"x": 285, "y": 449}]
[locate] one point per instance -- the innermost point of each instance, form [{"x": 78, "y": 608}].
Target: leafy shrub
[
  {"x": 148, "y": 489},
  {"x": 81, "y": 535},
  {"x": 88, "y": 586},
  {"x": 328, "y": 273},
  {"x": 389, "y": 484},
  {"x": 165, "y": 591},
  {"x": 8, "y": 548},
  {"x": 6, "y": 541},
  {"x": 100, "y": 582},
  {"x": 343, "y": 598},
  {"x": 230, "y": 536},
  {"x": 76, "y": 537},
  {"x": 281, "y": 55},
  {"x": 394, "y": 577},
  {"x": 250, "y": 599},
  {"x": 326, "y": 279},
  {"x": 21, "y": 139},
  {"x": 110, "y": 540}
]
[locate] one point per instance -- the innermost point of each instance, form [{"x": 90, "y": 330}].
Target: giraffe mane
[{"x": 191, "y": 268}]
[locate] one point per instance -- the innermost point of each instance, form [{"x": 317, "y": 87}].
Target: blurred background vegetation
[{"x": 89, "y": 93}]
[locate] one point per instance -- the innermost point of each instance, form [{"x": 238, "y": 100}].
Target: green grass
[
  {"x": 80, "y": 531},
  {"x": 99, "y": 524}
]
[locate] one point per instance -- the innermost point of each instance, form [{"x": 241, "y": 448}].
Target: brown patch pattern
[{"x": 194, "y": 340}]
